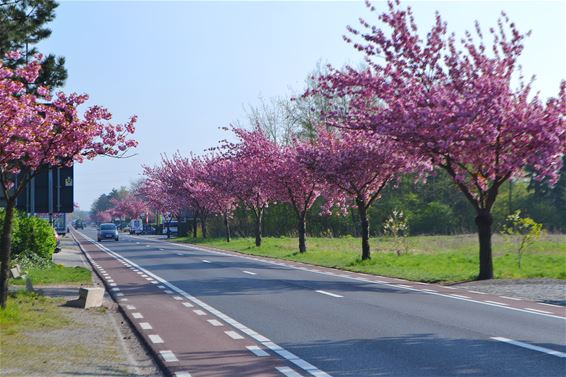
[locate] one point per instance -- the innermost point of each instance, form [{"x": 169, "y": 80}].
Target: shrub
[{"x": 36, "y": 237}]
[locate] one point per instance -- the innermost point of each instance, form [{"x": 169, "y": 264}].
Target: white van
[{"x": 136, "y": 226}]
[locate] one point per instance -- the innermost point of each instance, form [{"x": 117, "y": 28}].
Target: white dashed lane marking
[
  {"x": 168, "y": 356},
  {"x": 249, "y": 272},
  {"x": 233, "y": 335},
  {"x": 537, "y": 310},
  {"x": 156, "y": 339},
  {"x": 461, "y": 296},
  {"x": 530, "y": 346},
  {"x": 199, "y": 312},
  {"x": 496, "y": 302},
  {"x": 206, "y": 261},
  {"x": 188, "y": 304},
  {"x": 145, "y": 326},
  {"x": 214, "y": 322},
  {"x": 137, "y": 315},
  {"x": 257, "y": 351},
  {"x": 329, "y": 294},
  {"x": 178, "y": 298},
  {"x": 130, "y": 307},
  {"x": 288, "y": 372}
]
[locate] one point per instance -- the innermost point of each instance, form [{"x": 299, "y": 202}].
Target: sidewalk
[{"x": 93, "y": 342}]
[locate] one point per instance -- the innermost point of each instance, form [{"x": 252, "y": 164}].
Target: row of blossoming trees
[{"x": 421, "y": 104}]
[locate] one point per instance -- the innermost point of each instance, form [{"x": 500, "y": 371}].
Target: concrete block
[
  {"x": 90, "y": 297},
  {"x": 15, "y": 272}
]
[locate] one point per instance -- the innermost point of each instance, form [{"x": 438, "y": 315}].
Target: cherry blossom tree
[
  {"x": 297, "y": 185},
  {"x": 161, "y": 193},
  {"x": 456, "y": 104},
  {"x": 248, "y": 172},
  {"x": 37, "y": 130},
  {"x": 131, "y": 206},
  {"x": 210, "y": 171},
  {"x": 356, "y": 166}
]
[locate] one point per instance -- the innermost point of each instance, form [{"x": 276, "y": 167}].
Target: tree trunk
[
  {"x": 258, "y": 218},
  {"x": 227, "y": 227},
  {"x": 195, "y": 226},
  {"x": 6, "y": 245},
  {"x": 203, "y": 226},
  {"x": 302, "y": 233},
  {"x": 483, "y": 222},
  {"x": 366, "y": 254}
]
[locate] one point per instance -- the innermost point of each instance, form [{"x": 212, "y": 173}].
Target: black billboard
[{"x": 35, "y": 198}]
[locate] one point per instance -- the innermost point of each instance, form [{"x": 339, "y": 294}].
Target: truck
[{"x": 136, "y": 226}]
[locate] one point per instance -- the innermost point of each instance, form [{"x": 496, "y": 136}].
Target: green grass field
[
  {"x": 445, "y": 259},
  {"x": 57, "y": 274}
]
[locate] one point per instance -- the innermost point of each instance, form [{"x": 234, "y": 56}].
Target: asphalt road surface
[{"x": 325, "y": 323}]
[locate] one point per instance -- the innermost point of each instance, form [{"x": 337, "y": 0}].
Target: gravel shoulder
[
  {"x": 92, "y": 342},
  {"x": 549, "y": 291}
]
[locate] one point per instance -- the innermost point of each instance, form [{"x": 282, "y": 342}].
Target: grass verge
[
  {"x": 446, "y": 259},
  {"x": 57, "y": 274}
]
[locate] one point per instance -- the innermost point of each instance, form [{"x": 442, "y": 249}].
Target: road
[{"x": 345, "y": 324}]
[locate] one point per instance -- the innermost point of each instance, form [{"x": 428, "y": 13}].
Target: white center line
[
  {"x": 145, "y": 326},
  {"x": 249, "y": 272},
  {"x": 530, "y": 346},
  {"x": 168, "y": 356},
  {"x": 233, "y": 335},
  {"x": 214, "y": 322},
  {"x": 137, "y": 315},
  {"x": 329, "y": 294},
  {"x": 155, "y": 339},
  {"x": 257, "y": 351}
]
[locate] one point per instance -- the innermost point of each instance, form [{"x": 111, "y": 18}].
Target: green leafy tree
[
  {"x": 22, "y": 26},
  {"x": 521, "y": 232},
  {"x": 396, "y": 226}
]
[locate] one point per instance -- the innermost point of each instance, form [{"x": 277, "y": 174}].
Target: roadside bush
[
  {"x": 36, "y": 236},
  {"x": 33, "y": 241}
]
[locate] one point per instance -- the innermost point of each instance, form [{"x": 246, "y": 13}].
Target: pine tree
[{"x": 23, "y": 25}]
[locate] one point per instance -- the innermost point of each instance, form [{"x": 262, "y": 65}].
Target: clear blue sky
[{"x": 187, "y": 68}]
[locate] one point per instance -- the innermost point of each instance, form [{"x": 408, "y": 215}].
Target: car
[{"x": 107, "y": 231}]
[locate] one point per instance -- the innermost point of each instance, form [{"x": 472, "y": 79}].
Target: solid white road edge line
[
  {"x": 530, "y": 346},
  {"x": 306, "y": 366}
]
